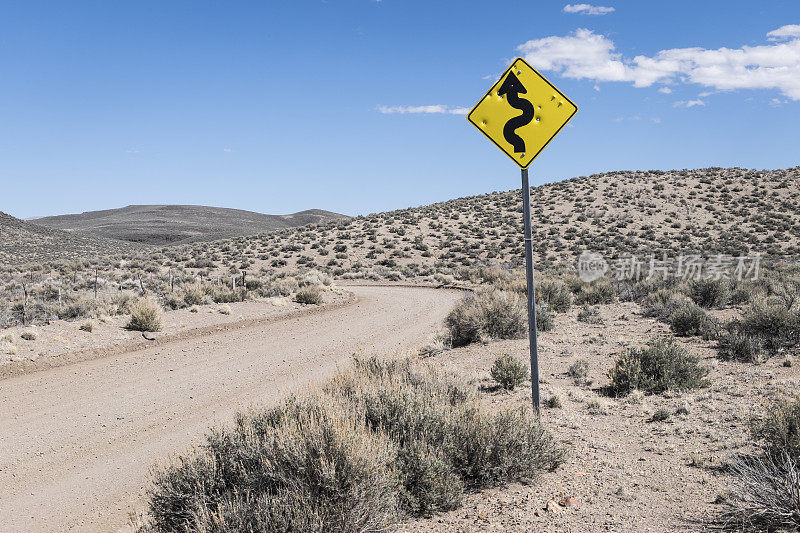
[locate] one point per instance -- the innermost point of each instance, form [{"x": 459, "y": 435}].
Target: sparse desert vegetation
[
  {"x": 384, "y": 440},
  {"x": 764, "y": 486},
  {"x": 659, "y": 373}
]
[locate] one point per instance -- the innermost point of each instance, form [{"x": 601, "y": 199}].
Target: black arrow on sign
[{"x": 512, "y": 87}]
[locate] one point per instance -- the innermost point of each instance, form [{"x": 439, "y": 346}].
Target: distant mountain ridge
[{"x": 180, "y": 224}]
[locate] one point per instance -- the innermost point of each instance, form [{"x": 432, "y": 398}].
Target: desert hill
[
  {"x": 25, "y": 242},
  {"x": 176, "y": 224},
  {"x": 729, "y": 211}
]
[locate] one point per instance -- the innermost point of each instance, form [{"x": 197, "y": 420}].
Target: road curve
[{"x": 77, "y": 442}]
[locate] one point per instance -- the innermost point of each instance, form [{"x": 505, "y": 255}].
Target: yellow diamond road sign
[{"x": 522, "y": 112}]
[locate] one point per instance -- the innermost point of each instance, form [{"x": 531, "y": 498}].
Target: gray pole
[{"x": 526, "y": 213}]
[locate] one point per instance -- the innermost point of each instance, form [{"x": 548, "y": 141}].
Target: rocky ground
[{"x": 624, "y": 471}]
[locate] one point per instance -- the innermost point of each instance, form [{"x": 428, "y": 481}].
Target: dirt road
[{"x": 76, "y": 442}]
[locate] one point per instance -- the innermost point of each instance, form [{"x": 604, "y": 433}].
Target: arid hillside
[
  {"x": 24, "y": 242},
  {"x": 735, "y": 212},
  {"x": 714, "y": 211},
  {"x": 174, "y": 224}
]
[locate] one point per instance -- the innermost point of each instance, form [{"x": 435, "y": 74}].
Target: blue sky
[{"x": 282, "y": 106}]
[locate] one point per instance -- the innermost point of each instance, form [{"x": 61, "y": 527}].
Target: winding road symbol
[
  {"x": 513, "y": 87},
  {"x": 522, "y": 112}
]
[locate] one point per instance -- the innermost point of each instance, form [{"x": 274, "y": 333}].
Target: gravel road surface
[{"x": 77, "y": 441}]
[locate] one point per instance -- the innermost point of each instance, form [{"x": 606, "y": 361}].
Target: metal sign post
[
  {"x": 522, "y": 136},
  {"x": 534, "y": 347}
]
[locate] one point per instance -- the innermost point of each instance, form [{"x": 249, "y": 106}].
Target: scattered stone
[
  {"x": 568, "y": 501},
  {"x": 553, "y": 507}
]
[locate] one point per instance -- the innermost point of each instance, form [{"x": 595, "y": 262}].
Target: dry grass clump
[
  {"x": 508, "y": 371},
  {"x": 303, "y": 466},
  {"x": 661, "y": 303},
  {"x": 309, "y": 295},
  {"x": 597, "y": 292},
  {"x": 660, "y": 366},
  {"x": 779, "y": 430},
  {"x": 689, "y": 319},
  {"x": 736, "y": 345},
  {"x": 710, "y": 293},
  {"x": 774, "y": 323},
  {"x": 579, "y": 372},
  {"x": 145, "y": 316},
  {"x": 192, "y": 295},
  {"x": 555, "y": 294},
  {"x": 384, "y": 440},
  {"x": 487, "y": 314},
  {"x": 765, "y": 488}
]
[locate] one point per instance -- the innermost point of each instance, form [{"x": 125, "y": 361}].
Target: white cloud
[
  {"x": 784, "y": 32},
  {"x": 424, "y": 109},
  {"x": 587, "y": 55},
  {"x": 665, "y": 90},
  {"x": 688, "y": 104},
  {"x": 587, "y": 9}
]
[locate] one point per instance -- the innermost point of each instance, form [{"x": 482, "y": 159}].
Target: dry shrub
[
  {"x": 765, "y": 488},
  {"x": 309, "y": 295},
  {"x": 508, "y": 371},
  {"x": 122, "y": 302},
  {"x": 192, "y": 295},
  {"x": 774, "y": 323},
  {"x": 662, "y": 303},
  {"x": 384, "y": 439},
  {"x": 412, "y": 403},
  {"x": 779, "y": 431},
  {"x": 737, "y": 345},
  {"x": 579, "y": 372},
  {"x": 710, "y": 293},
  {"x": 555, "y": 294},
  {"x": 688, "y": 319},
  {"x": 145, "y": 316},
  {"x": 764, "y": 494},
  {"x": 487, "y": 314},
  {"x": 81, "y": 308},
  {"x": 597, "y": 292},
  {"x": 660, "y": 366},
  {"x": 544, "y": 318},
  {"x": 304, "y": 466},
  {"x": 285, "y": 286}
]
